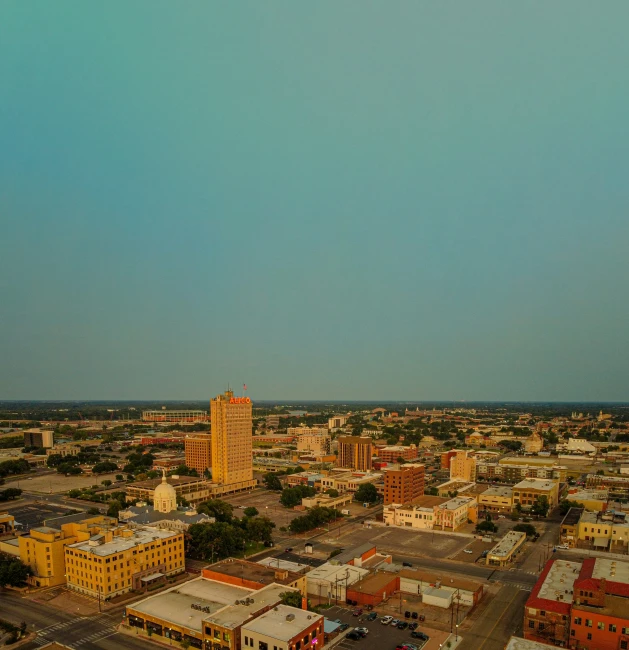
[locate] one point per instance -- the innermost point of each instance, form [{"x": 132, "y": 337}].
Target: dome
[{"x": 165, "y": 497}]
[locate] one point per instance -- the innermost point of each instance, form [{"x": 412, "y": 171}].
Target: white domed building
[
  {"x": 164, "y": 514},
  {"x": 165, "y": 497}
]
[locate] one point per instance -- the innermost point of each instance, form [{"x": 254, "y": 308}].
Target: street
[{"x": 76, "y": 632}]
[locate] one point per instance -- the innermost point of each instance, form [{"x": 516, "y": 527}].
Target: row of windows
[{"x": 600, "y": 625}]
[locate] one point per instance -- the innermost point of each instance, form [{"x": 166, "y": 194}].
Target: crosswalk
[{"x": 51, "y": 633}]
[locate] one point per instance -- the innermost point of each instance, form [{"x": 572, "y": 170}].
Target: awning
[
  {"x": 152, "y": 577},
  {"x": 601, "y": 541}
]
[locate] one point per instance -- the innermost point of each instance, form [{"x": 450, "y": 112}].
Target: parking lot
[
  {"x": 33, "y": 515},
  {"x": 383, "y": 637},
  {"x": 54, "y": 483},
  {"x": 477, "y": 547},
  {"x": 268, "y": 505},
  {"x": 404, "y": 542}
]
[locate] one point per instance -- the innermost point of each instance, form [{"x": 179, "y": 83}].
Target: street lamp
[{"x": 457, "y": 632}]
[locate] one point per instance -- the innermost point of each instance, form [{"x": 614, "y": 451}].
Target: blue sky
[{"x": 331, "y": 200}]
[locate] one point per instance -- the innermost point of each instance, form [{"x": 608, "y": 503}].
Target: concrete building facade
[
  {"x": 355, "y": 452},
  {"x": 198, "y": 450}
]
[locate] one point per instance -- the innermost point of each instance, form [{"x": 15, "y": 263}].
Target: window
[
  {"x": 542, "y": 613},
  {"x": 589, "y": 636},
  {"x": 600, "y": 625},
  {"x": 541, "y": 626},
  {"x": 588, "y": 622},
  {"x": 612, "y": 627},
  {"x": 623, "y": 645},
  {"x": 577, "y": 620}
]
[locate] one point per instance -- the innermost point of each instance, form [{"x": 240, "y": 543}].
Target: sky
[{"x": 327, "y": 200}]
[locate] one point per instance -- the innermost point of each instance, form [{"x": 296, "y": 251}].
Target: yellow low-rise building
[
  {"x": 496, "y": 499},
  {"x": 528, "y": 491},
  {"x": 7, "y": 523},
  {"x": 43, "y": 548},
  {"x": 116, "y": 561}
]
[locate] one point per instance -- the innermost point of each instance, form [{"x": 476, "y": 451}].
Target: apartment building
[
  {"x": 118, "y": 560},
  {"x": 198, "y": 450},
  {"x": 355, "y": 452},
  {"x": 404, "y": 485},
  {"x": 617, "y": 486},
  {"x": 513, "y": 472},
  {"x": 232, "y": 458},
  {"x": 337, "y": 422},
  {"x": 180, "y": 416}
]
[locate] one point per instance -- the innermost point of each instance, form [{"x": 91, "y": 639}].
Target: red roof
[
  {"x": 545, "y": 603},
  {"x": 586, "y": 582}
]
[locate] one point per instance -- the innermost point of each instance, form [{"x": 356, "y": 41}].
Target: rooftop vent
[{"x": 290, "y": 617}]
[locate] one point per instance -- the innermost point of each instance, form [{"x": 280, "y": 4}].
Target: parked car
[
  {"x": 372, "y": 616},
  {"x": 407, "y": 614},
  {"x": 395, "y": 622},
  {"x": 501, "y": 517},
  {"x": 357, "y": 612},
  {"x": 354, "y": 636},
  {"x": 416, "y": 634},
  {"x": 407, "y": 564},
  {"x": 385, "y": 620},
  {"x": 422, "y": 618},
  {"x": 467, "y": 550},
  {"x": 562, "y": 547},
  {"x": 363, "y": 631},
  {"x": 288, "y": 549},
  {"x": 402, "y": 625},
  {"x": 343, "y": 627},
  {"x": 413, "y": 626},
  {"x": 413, "y": 614}
]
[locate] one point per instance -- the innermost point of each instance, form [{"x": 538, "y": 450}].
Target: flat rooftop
[
  {"x": 535, "y": 484},
  {"x": 152, "y": 483},
  {"x": 282, "y": 622},
  {"x": 332, "y": 572},
  {"x": 351, "y": 553},
  {"x": 374, "y": 583},
  {"x": 253, "y": 571},
  {"x": 277, "y": 563},
  {"x": 559, "y": 581},
  {"x": 427, "y": 502},
  {"x": 506, "y": 545},
  {"x": 498, "y": 491},
  {"x": 120, "y": 543},
  {"x": 447, "y": 582},
  {"x": 515, "y": 643},
  {"x": 615, "y": 571},
  {"x": 572, "y": 517},
  {"x": 175, "y": 605}
]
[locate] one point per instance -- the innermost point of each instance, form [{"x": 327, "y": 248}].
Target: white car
[
  {"x": 385, "y": 620},
  {"x": 562, "y": 547},
  {"x": 501, "y": 517},
  {"x": 467, "y": 550}
]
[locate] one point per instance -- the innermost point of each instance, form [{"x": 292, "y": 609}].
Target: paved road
[
  {"x": 498, "y": 619},
  {"x": 78, "y": 632}
]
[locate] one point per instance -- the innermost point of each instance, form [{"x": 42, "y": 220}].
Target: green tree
[
  {"x": 291, "y": 598},
  {"x": 13, "y": 573},
  {"x": 106, "y": 482},
  {"x": 366, "y": 493},
  {"x": 292, "y": 497},
  {"x": 332, "y": 493},
  {"x": 119, "y": 477},
  {"x": 541, "y": 506},
  {"x": 272, "y": 482},
  {"x": 486, "y": 527},
  {"x": 10, "y": 493},
  {"x": 529, "y": 529},
  {"x": 104, "y": 467},
  {"x": 220, "y": 510},
  {"x": 565, "y": 505},
  {"x": 250, "y": 511}
]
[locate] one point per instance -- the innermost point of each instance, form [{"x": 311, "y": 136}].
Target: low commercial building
[
  {"x": 517, "y": 643},
  {"x": 120, "y": 559},
  {"x": 592, "y": 500},
  {"x": 496, "y": 499},
  {"x": 65, "y": 449},
  {"x": 456, "y": 512},
  {"x": 203, "y": 613},
  {"x": 349, "y": 481},
  {"x": 253, "y": 575},
  {"x": 417, "y": 581},
  {"x": 617, "y": 486},
  {"x": 530, "y": 490},
  {"x": 284, "y": 628},
  {"x": 7, "y": 523},
  {"x": 327, "y": 501},
  {"x": 569, "y": 528},
  {"x": 506, "y": 550},
  {"x": 178, "y": 416},
  {"x": 607, "y": 530},
  {"x": 332, "y": 580},
  {"x": 373, "y": 589},
  {"x": 510, "y": 470}
]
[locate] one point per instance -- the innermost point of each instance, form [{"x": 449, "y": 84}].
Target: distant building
[
  {"x": 315, "y": 440},
  {"x": 528, "y": 491},
  {"x": 175, "y": 416},
  {"x": 38, "y": 438},
  {"x": 198, "y": 450},
  {"x": 355, "y": 452},
  {"x": 392, "y": 453},
  {"x": 337, "y": 422}
]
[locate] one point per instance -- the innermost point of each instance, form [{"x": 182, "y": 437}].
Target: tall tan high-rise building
[
  {"x": 355, "y": 452},
  {"x": 198, "y": 448},
  {"x": 232, "y": 456},
  {"x": 463, "y": 465}
]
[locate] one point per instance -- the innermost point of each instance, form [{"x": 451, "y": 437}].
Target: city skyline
[{"x": 362, "y": 201}]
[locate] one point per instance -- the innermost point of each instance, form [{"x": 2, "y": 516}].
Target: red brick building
[
  {"x": 392, "y": 453},
  {"x": 373, "y": 589},
  {"x": 403, "y": 485},
  {"x": 446, "y": 457}
]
